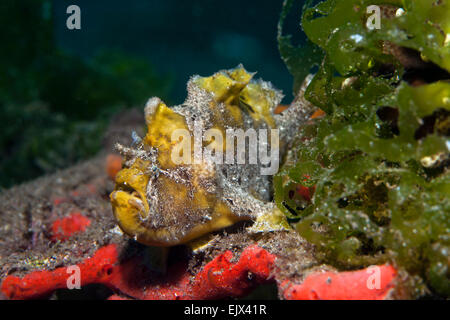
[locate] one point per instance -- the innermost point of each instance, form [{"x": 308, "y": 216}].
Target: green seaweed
[
  {"x": 299, "y": 60},
  {"x": 379, "y": 158}
]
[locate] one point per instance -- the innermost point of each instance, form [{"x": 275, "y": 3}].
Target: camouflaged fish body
[{"x": 161, "y": 203}]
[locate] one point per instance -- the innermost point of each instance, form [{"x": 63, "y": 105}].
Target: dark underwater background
[{"x": 59, "y": 88}]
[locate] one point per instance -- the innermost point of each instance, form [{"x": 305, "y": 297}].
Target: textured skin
[{"x": 161, "y": 202}]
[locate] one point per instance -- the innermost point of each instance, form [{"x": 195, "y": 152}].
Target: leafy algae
[{"x": 379, "y": 158}]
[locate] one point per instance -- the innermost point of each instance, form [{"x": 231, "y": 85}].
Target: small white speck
[
  {"x": 116, "y": 230},
  {"x": 399, "y": 12},
  {"x": 357, "y": 38}
]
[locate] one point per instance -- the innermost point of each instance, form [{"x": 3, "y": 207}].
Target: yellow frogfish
[{"x": 208, "y": 163}]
